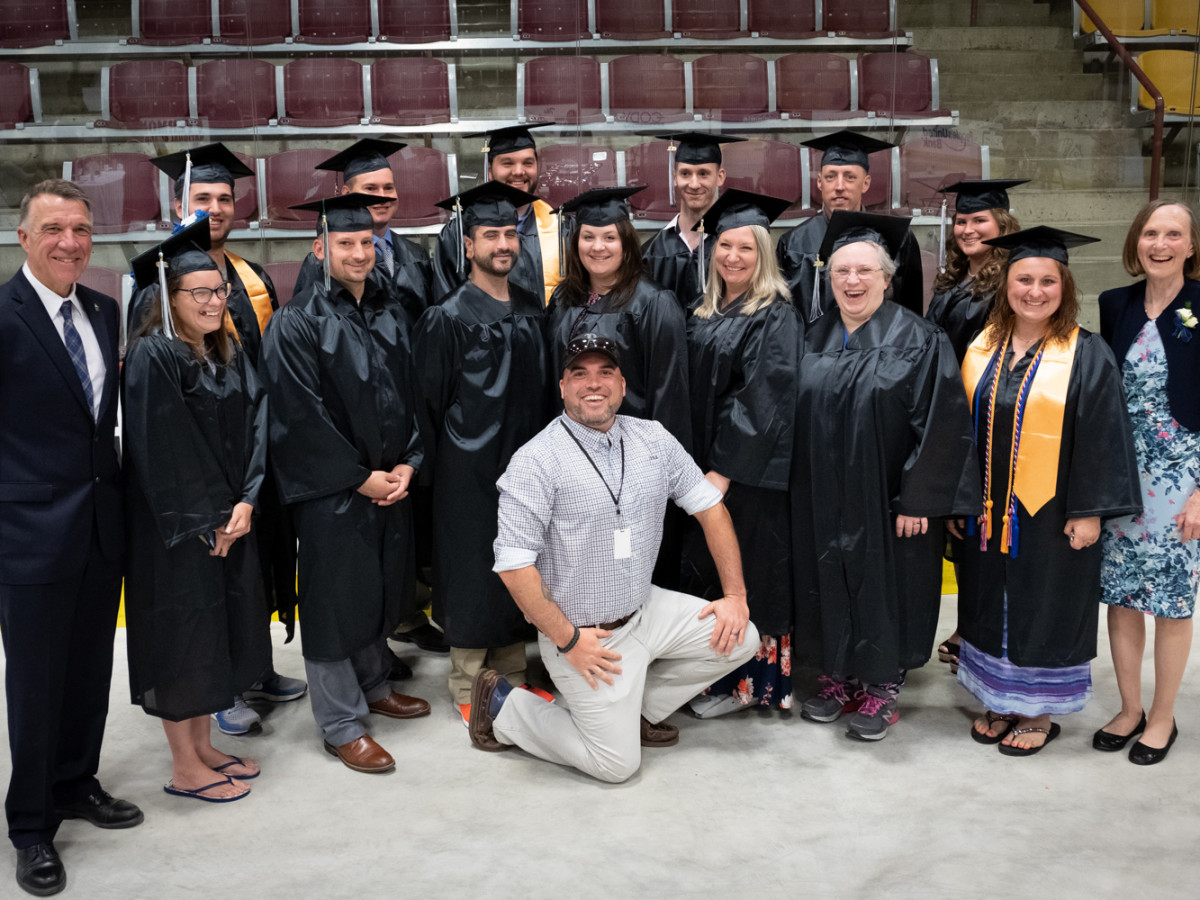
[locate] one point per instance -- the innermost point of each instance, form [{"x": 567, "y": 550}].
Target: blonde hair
[{"x": 765, "y": 286}]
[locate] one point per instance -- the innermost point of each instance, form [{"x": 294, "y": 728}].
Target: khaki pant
[{"x": 464, "y": 664}]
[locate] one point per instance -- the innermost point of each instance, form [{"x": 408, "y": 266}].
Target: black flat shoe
[
  {"x": 1110, "y": 743},
  {"x": 1141, "y": 755},
  {"x": 39, "y": 870}
]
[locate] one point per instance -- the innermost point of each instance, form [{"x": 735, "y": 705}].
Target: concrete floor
[{"x": 764, "y": 803}]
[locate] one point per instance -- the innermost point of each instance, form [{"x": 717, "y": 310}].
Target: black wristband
[{"x": 571, "y": 643}]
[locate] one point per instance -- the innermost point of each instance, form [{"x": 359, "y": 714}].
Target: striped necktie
[{"x": 78, "y": 357}]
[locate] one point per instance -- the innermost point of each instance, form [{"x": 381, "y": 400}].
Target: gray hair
[
  {"x": 55, "y": 187},
  {"x": 886, "y": 264}
]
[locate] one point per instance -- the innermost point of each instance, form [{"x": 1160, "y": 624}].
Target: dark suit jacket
[
  {"x": 1122, "y": 316},
  {"x": 59, "y": 471}
]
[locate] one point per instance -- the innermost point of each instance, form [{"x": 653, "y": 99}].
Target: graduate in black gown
[
  {"x": 843, "y": 181},
  {"x": 345, "y": 446},
  {"x": 481, "y": 365},
  {"x": 402, "y": 266},
  {"x": 195, "y": 436},
  {"x": 676, "y": 256},
  {"x": 509, "y": 158},
  {"x": 1056, "y": 455},
  {"x": 743, "y": 352},
  {"x": 883, "y": 449}
]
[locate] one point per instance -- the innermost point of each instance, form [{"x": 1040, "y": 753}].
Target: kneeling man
[{"x": 581, "y": 513}]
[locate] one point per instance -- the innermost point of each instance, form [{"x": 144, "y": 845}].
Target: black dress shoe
[
  {"x": 399, "y": 669},
  {"x": 1110, "y": 743},
  {"x": 40, "y": 871},
  {"x": 103, "y": 811},
  {"x": 426, "y": 637},
  {"x": 1141, "y": 755}
]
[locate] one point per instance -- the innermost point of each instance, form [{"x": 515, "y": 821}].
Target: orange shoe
[
  {"x": 538, "y": 692},
  {"x": 464, "y": 710}
]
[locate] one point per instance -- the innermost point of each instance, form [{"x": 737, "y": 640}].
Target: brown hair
[
  {"x": 218, "y": 345},
  {"x": 1129, "y": 255},
  {"x": 577, "y": 283},
  {"x": 1002, "y": 318},
  {"x": 988, "y": 279},
  {"x": 55, "y": 187}
]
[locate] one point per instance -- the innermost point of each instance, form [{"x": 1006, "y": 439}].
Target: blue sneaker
[
  {"x": 239, "y": 719},
  {"x": 277, "y": 688}
]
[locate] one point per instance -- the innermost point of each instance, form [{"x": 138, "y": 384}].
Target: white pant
[{"x": 665, "y": 661}]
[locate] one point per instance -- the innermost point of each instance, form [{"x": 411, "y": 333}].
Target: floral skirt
[{"x": 766, "y": 680}]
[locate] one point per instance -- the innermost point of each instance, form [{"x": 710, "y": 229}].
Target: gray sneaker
[
  {"x": 277, "y": 689},
  {"x": 878, "y": 710},
  {"x": 239, "y": 719},
  {"x": 833, "y": 701}
]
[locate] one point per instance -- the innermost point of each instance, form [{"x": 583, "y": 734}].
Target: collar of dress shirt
[{"x": 52, "y": 301}]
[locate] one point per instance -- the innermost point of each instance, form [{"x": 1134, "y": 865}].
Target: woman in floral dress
[{"x": 1152, "y": 561}]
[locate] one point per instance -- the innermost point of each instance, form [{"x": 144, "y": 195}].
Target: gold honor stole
[
  {"x": 547, "y": 227},
  {"x": 256, "y": 289},
  {"x": 1037, "y": 432}
]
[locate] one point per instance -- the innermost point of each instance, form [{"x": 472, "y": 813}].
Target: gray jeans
[{"x": 341, "y": 690}]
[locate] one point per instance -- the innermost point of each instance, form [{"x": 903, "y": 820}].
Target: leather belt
[{"x": 614, "y": 625}]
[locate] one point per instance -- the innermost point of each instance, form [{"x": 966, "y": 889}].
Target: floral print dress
[{"x": 1146, "y": 567}]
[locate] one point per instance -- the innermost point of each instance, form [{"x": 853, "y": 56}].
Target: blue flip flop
[
  {"x": 198, "y": 793},
  {"x": 236, "y": 761}
]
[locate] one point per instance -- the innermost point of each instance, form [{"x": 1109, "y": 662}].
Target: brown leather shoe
[
  {"x": 480, "y": 725},
  {"x": 363, "y": 755},
  {"x": 400, "y": 706},
  {"x": 660, "y": 735}
]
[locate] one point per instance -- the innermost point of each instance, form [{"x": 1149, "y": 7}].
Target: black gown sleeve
[
  {"x": 908, "y": 286},
  {"x": 436, "y": 369},
  {"x": 665, "y": 362},
  {"x": 256, "y": 431},
  {"x": 446, "y": 276}
]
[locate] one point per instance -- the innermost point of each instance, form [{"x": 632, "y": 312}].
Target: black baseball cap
[{"x": 590, "y": 343}]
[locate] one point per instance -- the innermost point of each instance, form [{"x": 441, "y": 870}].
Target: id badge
[{"x": 622, "y": 544}]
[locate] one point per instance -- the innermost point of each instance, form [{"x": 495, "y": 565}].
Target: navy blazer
[
  {"x": 1122, "y": 315},
  {"x": 59, "y": 471}
]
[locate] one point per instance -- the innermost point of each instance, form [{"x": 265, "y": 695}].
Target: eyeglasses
[
  {"x": 864, "y": 273},
  {"x": 204, "y": 294}
]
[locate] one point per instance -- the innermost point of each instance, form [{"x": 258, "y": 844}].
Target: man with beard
[
  {"x": 509, "y": 158},
  {"x": 481, "y": 365}
]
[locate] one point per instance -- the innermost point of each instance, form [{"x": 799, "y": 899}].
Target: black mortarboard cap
[
  {"x": 851, "y": 227},
  {"x": 590, "y": 343},
  {"x": 600, "y": 206},
  {"x": 345, "y": 212},
  {"x": 509, "y": 139},
  {"x": 735, "y": 208},
  {"x": 185, "y": 251},
  {"x": 361, "y": 157},
  {"x": 491, "y": 203},
  {"x": 211, "y": 164},
  {"x": 1040, "y": 242},
  {"x": 847, "y": 148},
  {"x": 697, "y": 147},
  {"x": 982, "y": 195}
]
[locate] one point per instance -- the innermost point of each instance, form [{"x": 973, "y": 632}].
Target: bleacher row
[
  {"x": 414, "y": 92},
  {"x": 1141, "y": 21},
  {"x": 33, "y": 23}
]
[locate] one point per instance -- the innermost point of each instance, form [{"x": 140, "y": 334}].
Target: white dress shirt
[{"x": 91, "y": 346}]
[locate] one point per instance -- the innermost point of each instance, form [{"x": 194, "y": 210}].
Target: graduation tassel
[
  {"x": 562, "y": 245},
  {"x": 325, "y": 244},
  {"x": 700, "y": 259},
  {"x": 458, "y": 219},
  {"x": 487, "y": 167},
  {"x": 671, "y": 172},
  {"x": 168, "y": 324},
  {"x": 815, "y": 311},
  {"x": 187, "y": 185},
  {"x": 942, "y": 240}
]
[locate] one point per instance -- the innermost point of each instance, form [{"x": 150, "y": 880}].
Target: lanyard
[{"x": 616, "y": 498}]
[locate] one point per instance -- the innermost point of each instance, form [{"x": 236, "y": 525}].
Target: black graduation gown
[
  {"x": 670, "y": 262},
  {"x": 960, "y": 314},
  {"x": 342, "y": 405},
  {"x": 798, "y": 248},
  {"x": 1053, "y": 591},
  {"x": 882, "y": 429},
  {"x": 481, "y": 367},
  {"x": 743, "y": 376},
  {"x": 526, "y": 273},
  {"x": 651, "y": 335},
  {"x": 409, "y": 284},
  {"x": 195, "y": 440}
]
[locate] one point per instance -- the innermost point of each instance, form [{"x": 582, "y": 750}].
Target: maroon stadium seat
[
  {"x": 566, "y": 169},
  {"x": 813, "y": 85},
  {"x": 552, "y": 20},
  {"x": 255, "y": 21},
  {"x": 147, "y": 93},
  {"x": 878, "y": 197},
  {"x": 928, "y": 164},
  {"x": 731, "y": 87},
  {"x": 766, "y": 167},
  {"x": 563, "y": 89},
  {"x": 283, "y": 275},
  {"x": 409, "y": 90},
  {"x": 123, "y": 189},
  {"x": 773, "y": 19},
  {"x": 245, "y": 194},
  {"x": 422, "y": 179},
  {"x": 322, "y": 92},
  {"x": 106, "y": 281},
  {"x": 414, "y": 21},
  {"x": 631, "y": 20},
  {"x": 648, "y": 164},
  {"x": 33, "y": 23},
  {"x": 16, "y": 99},
  {"x": 291, "y": 178},
  {"x": 647, "y": 89},
  {"x": 708, "y": 18},
  {"x": 899, "y": 84},
  {"x": 334, "y": 21},
  {"x": 863, "y": 17},
  {"x": 175, "y": 21},
  {"x": 235, "y": 93}
]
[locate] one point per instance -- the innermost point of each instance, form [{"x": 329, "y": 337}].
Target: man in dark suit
[{"x": 61, "y": 531}]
